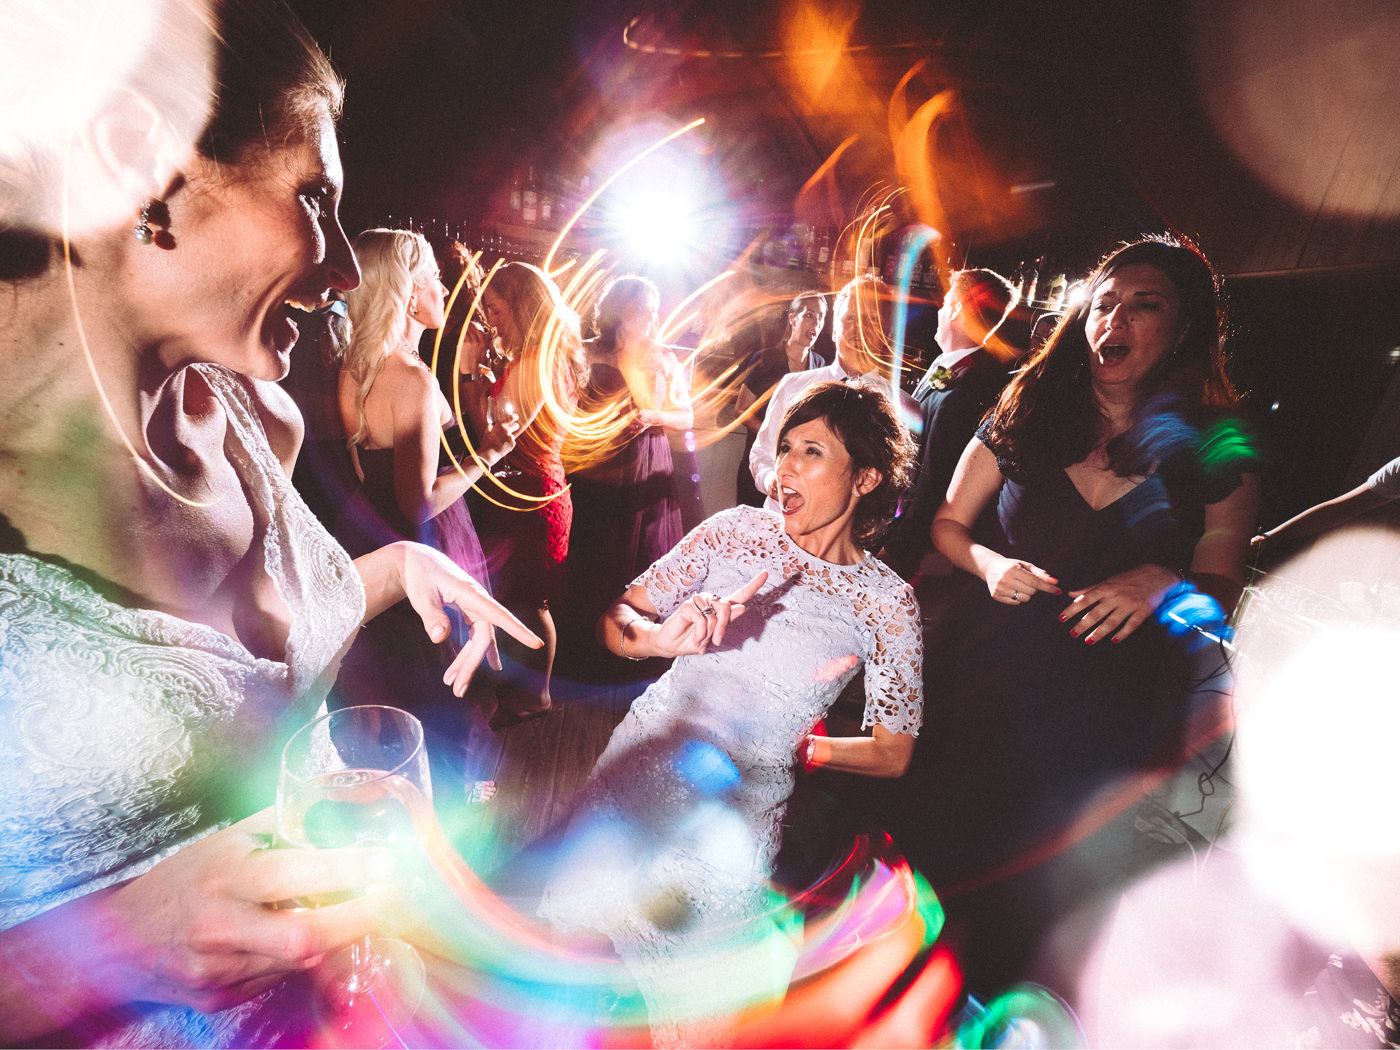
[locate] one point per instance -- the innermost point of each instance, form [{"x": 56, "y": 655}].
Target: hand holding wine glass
[
  {"x": 500, "y": 435},
  {"x": 358, "y": 776},
  {"x": 502, "y": 418},
  {"x": 200, "y": 929}
]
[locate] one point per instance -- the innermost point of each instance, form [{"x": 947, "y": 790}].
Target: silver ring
[
  {"x": 1015, "y": 596},
  {"x": 708, "y": 610}
]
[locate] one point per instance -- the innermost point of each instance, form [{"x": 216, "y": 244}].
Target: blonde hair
[{"x": 392, "y": 264}]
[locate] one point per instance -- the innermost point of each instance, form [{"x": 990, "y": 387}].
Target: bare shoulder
[{"x": 402, "y": 379}]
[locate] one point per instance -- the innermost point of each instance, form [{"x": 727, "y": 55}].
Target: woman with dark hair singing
[{"x": 1102, "y": 463}]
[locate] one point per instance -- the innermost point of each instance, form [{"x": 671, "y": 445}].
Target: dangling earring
[
  {"x": 143, "y": 230},
  {"x": 413, "y": 308},
  {"x": 154, "y": 211}
]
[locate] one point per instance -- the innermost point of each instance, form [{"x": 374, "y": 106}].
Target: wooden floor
[{"x": 537, "y": 766}]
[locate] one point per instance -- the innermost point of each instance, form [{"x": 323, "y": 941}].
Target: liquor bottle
[
  {"x": 530, "y": 200},
  {"x": 1033, "y": 281},
  {"x": 1018, "y": 284},
  {"x": 515, "y": 196},
  {"x": 1056, "y": 294}
]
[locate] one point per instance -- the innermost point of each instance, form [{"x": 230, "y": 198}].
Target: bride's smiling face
[{"x": 252, "y": 246}]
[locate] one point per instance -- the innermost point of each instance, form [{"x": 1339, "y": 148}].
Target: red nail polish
[
  {"x": 1074, "y": 634},
  {"x": 1063, "y": 619},
  {"x": 1090, "y": 641}
]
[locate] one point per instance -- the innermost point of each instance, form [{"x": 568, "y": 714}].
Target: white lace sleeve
[
  {"x": 680, "y": 572},
  {"x": 894, "y": 662}
]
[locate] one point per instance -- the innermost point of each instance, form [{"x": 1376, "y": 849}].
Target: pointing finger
[{"x": 748, "y": 590}]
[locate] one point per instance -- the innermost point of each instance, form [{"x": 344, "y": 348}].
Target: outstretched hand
[
  {"x": 702, "y": 619},
  {"x": 1119, "y": 605},
  {"x": 432, "y": 581}
]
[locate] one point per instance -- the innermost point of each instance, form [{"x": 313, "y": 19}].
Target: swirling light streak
[
  {"x": 918, "y": 239},
  {"x": 472, "y": 313},
  {"x": 97, "y": 27},
  {"x": 671, "y": 326},
  {"x": 457, "y": 412},
  {"x": 864, "y": 921},
  {"x": 510, "y": 973}
]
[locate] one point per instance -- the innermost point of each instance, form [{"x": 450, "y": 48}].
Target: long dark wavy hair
[
  {"x": 866, "y": 423},
  {"x": 1048, "y": 411}
]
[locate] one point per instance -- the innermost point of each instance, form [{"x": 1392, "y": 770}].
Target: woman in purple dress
[{"x": 626, "y": 511}]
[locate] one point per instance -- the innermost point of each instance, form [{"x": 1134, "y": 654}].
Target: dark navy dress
[{"x": 1019, "y": 802}]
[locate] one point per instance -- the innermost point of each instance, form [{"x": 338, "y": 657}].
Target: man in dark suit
[{"x": 959, "y": 386}]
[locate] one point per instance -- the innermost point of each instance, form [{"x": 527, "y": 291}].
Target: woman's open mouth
[
  {"x": 284, "y": 326},
  {"x": 790, "y": 501},
  {"x": 1111, "y": 353}
]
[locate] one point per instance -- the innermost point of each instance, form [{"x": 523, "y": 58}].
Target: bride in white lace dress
[
  {"x": 678, "y": 826},
  {"x": 168, "y": 605}
]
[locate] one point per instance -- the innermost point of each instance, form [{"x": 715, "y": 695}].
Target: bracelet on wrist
[{"x": 622, "y": 644}]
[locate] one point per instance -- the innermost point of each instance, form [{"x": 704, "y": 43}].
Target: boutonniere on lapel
[{"x": 940, "y": 378}]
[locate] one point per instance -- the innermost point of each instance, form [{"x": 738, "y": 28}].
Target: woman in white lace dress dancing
[
  {"x": 169, "y": 609},
  {"x": 768, "y": 618}
]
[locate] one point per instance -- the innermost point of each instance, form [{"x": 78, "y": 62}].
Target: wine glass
[
  {"x": 500, "y": 411},
  {"x": 358, "y": 776}
]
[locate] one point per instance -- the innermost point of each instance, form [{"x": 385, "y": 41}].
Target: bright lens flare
[
  {"x": 658, "y": 225},
  {"x": 548, "y": 263}
]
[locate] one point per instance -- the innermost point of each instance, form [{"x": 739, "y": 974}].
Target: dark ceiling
[{"x": 1264, "y": 128}]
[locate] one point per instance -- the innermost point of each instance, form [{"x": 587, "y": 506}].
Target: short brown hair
[
  {"x": 986, "y": 298},
  {"x": 863, "y": 418}
]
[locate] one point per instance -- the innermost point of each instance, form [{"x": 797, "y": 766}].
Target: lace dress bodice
[
  {"x": 130, "y": 732},
  {"x": 680, "y": 821},
  {"x": 806, "y": 633}
]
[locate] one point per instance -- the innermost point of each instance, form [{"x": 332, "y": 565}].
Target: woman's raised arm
[
  {"x": 629, "y": 628},
  {"x": 416, "y": 406}
]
